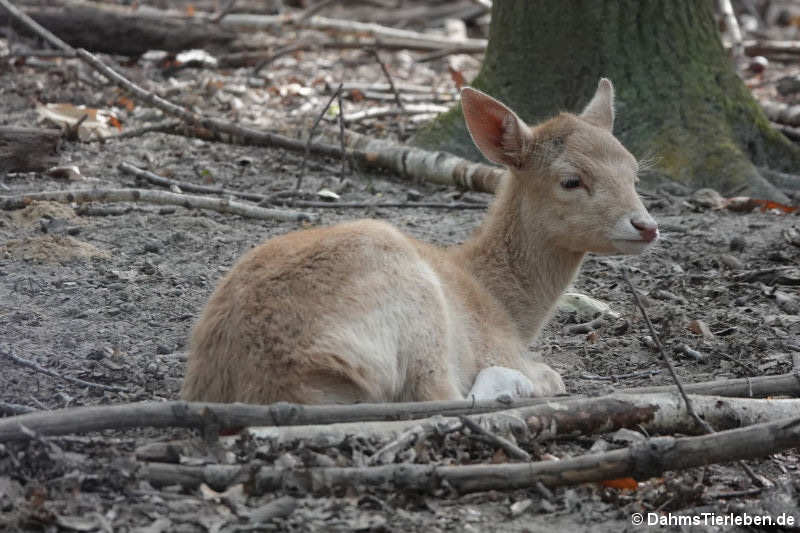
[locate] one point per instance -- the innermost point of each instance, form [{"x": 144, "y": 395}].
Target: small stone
[
  {"x": 621, "y": 326},
  {"x": 162, "y": 349},
  {"x": 413, "y": 195},
  {"x": 758, "y": 64},
  {"x": 328, "y": 195},
  {"x": 788, "y": 303},
  {"x": 152, "y": 247},
  {"x": 731, "y": 262},
  {"x": 788, "y": 85},
  {"x": 287, "y": 460},
  {"x": 627, "y": 436},
  {"x": 701, "y": 328},
  {"x": 517, "y": 508},
  {"x": 738, "y": 244},
  {"x": 96, "y": 354}
]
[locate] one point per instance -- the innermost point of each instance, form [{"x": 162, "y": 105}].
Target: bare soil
[{"x": 110, "y": 299}]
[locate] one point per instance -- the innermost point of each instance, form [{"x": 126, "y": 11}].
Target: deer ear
[
  {"x": 600, "y": 110},
  {"x": 497, "y": 131}
]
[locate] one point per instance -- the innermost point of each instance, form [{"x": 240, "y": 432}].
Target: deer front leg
[{"x": 496, "y": 381}]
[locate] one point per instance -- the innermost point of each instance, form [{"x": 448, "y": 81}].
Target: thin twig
[
  {"x": 389, "y": 79},
  {"x": 307, "y": 152},
  {"x": 285, "y": 197},
  {"x": 340, "y": 119},
  {"x": 76, "y": 381},
  {"x": 398, "y": 205},
  {"x": 224, "y": 10},
  {"x": 689, "y": 408},
  {"x": 664, "y": 357},
  {"x": 380, "y": 112},
  {"x": 412, "y": 436},
  {"x": 313, "y": 10},
  {"x": 511, "y": 449}
]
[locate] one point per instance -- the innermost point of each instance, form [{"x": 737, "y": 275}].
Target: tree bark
[{"x": 679, "y": 100}]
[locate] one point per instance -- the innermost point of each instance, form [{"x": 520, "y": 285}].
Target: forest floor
[{"x": 109, "y": 297}]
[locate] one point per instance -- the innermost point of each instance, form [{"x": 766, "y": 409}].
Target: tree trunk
[{"x": 679, "y": 100}]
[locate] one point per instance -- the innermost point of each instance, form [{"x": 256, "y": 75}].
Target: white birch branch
[{"x": 221, "y": 205}]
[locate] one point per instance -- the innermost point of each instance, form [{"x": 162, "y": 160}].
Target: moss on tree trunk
[{"x": 679, "y": 100}]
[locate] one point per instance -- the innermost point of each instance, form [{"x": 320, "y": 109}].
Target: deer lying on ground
[{"x": 360, "y": 312}]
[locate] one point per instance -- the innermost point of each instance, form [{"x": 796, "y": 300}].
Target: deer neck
[{"x": 523, "y": 269}]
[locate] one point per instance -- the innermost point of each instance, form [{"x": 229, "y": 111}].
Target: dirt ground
[{"x": 109, "y": 297}]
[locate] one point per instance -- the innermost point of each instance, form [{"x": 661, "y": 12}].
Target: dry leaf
[
  {"x": 67, "y": 115},
  {"x": 701, "y": 328},
  {"x": 356, "y": 95},
  {"x": 746, "y": 204},
  {"x": 627, "y": 483}
]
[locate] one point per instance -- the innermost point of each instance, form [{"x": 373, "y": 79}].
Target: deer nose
[{"x": 648, "y": 229}]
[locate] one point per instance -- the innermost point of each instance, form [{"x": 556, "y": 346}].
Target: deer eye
[{"x": 571, "y": 182}]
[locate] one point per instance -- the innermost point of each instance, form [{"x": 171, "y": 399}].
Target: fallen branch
[
  {"x": 660, "y": 412},
  {"x": 772, "y": 48},
  {"x": 46, "y": 372},
  {"x": 417, "y": 164},
  {"x": 395, "y": 205},
  {"x": 366, "y": 87},
  {"x": 155, "y": 179},
  {"x": 123, "y": 31},
  {"x": 643, "y": 460},
  {"x": 280, "y": 198},
  {"x": 221, "y": 205},
  {"x": 380, "y": 112},
  {"x": 261, "y": 59},
  {"x": 383, "y": 33}
]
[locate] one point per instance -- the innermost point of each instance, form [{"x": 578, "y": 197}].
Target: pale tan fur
[{"x": 362, "y": 312}]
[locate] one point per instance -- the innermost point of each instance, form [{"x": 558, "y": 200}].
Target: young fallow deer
[{"x": 360, "y": 312}]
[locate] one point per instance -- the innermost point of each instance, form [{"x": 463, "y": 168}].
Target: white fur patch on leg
[{"x": 497, "y": 381}]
